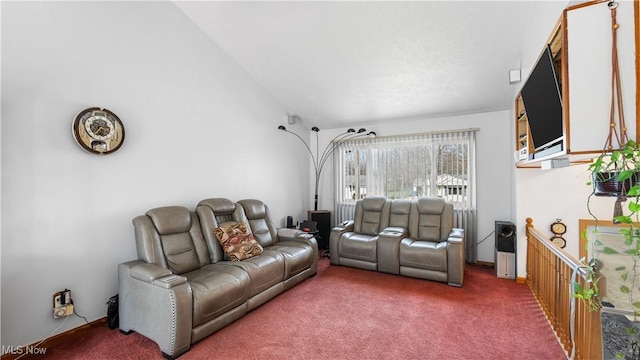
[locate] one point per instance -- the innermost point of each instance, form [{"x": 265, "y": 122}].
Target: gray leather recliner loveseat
[
  {"x": 183, "y": 288},
  {"x": 413, "y": 238}
]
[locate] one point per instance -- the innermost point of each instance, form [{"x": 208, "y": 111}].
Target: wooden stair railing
[{"x": 549, "y": 275}]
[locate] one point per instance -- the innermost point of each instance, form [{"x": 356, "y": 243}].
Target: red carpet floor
[{"x": 345, "y": 313}]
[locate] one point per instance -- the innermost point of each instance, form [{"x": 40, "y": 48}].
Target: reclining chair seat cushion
[
  {"x": 264, "y": 271},
  {"x": 370, "y": 223},
  {"x": 297, "y": 256},
  {"x": 358, "y": 246},
  {"x": 371, "y": 216},
  {"x": 429, "y": 228},
  {"x": 428, "y": 255},
  {"x": 216, "y": 289},
  {"x": 256, "y": 214},
  {"x": 179, "y": 252},
  {"x": 214, "y": 213},
  {"x": 399, "y": 214},
  {"x": 170, "y": 236}
]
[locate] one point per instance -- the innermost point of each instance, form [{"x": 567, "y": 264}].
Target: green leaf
[
  {"x": 625, "y": 289},
  {"x": 596, "y": 165},
  {"x": 634, "y": 206},
  {"x": 609, "y": 251},
  {"x": 624, "y": 276},
  {"x": 636, "y": 304},
  {"x": 620, "y": 268},
  {"x": 615, "y": 156},
  {"x": 625, "y": 231},
  {"x": 634, "y": 191},
  {"x": 624, "y": 175},
  {"x": 628, "y": 240},
  {"x": 623, "y": 219}
]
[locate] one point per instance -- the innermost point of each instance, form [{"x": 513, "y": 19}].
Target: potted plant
[
  {"x": 613, "y": 174},
  {"x": 616, "y": 174}
]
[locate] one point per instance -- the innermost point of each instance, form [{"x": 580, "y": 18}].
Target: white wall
[
  {"x": 545, "y": 195},
  {"x": 494, "y": 162},
  {"x": 196, "y": 127}
]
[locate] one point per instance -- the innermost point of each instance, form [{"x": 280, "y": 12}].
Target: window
[{"x": 408, "y": 166}]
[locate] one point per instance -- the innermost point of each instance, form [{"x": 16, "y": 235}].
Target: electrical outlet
[
  {"x": 62, "y": 304},
  {"x": 62, "y": 311}
]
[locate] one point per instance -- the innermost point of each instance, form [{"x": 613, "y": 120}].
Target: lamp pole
[{"x": 319, "y": 160}]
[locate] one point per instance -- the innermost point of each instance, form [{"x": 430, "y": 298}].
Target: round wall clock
[
  {"x": 558, "y": 229},
  {"x": 98, "y": 130}
]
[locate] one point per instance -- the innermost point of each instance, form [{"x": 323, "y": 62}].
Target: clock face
[
  {"x": 99, "y": 127},
  {"x": 559, "y": 241},
  {"x": 98, "y": 130},
  {"x": 558, "y": 228}
]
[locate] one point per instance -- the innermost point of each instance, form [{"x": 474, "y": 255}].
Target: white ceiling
[{"x": 336, "y": 64}]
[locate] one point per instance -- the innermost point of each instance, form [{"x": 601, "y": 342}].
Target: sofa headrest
[
  {"x": 219, "y": 205},
  {"x": 373, "y": 203},
  {"x": 430, "y": 205},
  {"x": 254, "y": 209},
  {"x": 400, "y": 206},
  {"x": 170, "y": 219}
]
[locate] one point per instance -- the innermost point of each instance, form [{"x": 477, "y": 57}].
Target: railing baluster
[{"x": 549, "y": 273}]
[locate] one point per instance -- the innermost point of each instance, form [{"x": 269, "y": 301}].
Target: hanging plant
[{"x": 615, "y": 173}]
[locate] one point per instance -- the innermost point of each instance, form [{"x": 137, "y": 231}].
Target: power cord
[
  {"x": 56, "y": 329},
  {"x": 78, "y": 315},
  {"x": 486, "y": 237},
  {"x": 45, "y": 339}
]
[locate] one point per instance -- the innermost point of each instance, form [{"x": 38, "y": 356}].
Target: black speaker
[
  {"x": 290, "y": 222},
  {"x": 323, "y": 219},
  {"x": 505, "y": 237}
]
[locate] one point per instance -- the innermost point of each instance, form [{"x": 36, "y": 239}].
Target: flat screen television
[{"x": 543, "y": 103}]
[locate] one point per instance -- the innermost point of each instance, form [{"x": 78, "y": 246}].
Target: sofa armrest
[
  {"x": 455, "y": 257},
  {"x": 334, "y": 240},
  {"x": 156, "y": 304},
  {"x": 394, "y": 232},
  {"x": 286, "y": 234},
  {"x": 343, "y": 226},
  {"x": 456, "y": 236},
  {"x": 148, "y": 273},
  {"x": 389, "y": 249}
]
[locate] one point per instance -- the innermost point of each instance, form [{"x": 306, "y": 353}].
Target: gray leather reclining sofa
[
  {"x": 413, "y": 238},
  {"x": 182, "y": 289}
]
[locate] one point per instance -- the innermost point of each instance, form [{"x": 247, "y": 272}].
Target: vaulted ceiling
[{"x": 336, "y": 64}]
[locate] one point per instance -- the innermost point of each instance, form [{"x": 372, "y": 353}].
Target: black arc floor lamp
[{"x": 319, "y": 160}]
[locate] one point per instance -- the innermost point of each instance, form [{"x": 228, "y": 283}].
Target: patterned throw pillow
[{"x": 238, "y": 242}]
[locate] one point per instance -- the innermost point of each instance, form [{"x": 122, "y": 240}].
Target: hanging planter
[
  {"x": 609, "y": 183},
  {"x": 614, "y": 173}
]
